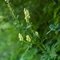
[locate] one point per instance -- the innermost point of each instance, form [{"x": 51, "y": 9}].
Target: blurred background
[{"x": 42, "y": 13}]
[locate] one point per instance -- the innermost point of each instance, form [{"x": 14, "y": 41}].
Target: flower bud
[
  {"x": 37, "y": 34},
  {"x": 27, "y": 15},
  {"x": 28, "y": 38},
  {"x": 20, "y": 37}
]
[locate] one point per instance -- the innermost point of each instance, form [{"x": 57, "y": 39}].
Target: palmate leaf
[
  {"x": 55, "y": 28},
  {"x": 50, "y": 53},
  {"x": 52, "y": 27}
]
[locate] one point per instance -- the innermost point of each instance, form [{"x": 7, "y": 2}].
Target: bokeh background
[{"x": 43, "y": 13}]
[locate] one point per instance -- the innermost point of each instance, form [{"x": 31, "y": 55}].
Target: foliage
[{"x": 37, "y": 37}]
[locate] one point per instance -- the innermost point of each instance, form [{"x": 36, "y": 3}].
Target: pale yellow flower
[
  {"x": 27, "y": 15},
  {"x": 6, "y": 0},
  {"x": 28, "y": 38},
  {"x": 20, "y": 37},
  {"x": 37, "y": 34}
]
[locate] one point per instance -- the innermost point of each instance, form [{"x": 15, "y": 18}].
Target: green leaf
[{"x": 52, "y": 27}]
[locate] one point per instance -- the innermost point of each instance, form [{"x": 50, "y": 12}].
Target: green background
[{"x": 45, "y": 17}]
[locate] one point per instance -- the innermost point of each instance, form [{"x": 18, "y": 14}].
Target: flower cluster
[
  {"x": 27, "y": 15},
  {"x": 20, "y": 37},
  {"x": 28, "y": 39}
]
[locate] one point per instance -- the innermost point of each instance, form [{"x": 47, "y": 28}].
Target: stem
[{"x": 11, "y": 10}]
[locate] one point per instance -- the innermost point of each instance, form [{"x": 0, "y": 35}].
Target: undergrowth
[{"x": 47, "y": 48}]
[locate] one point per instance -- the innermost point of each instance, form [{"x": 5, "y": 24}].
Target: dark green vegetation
[{"x": 44, "y": 18}]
